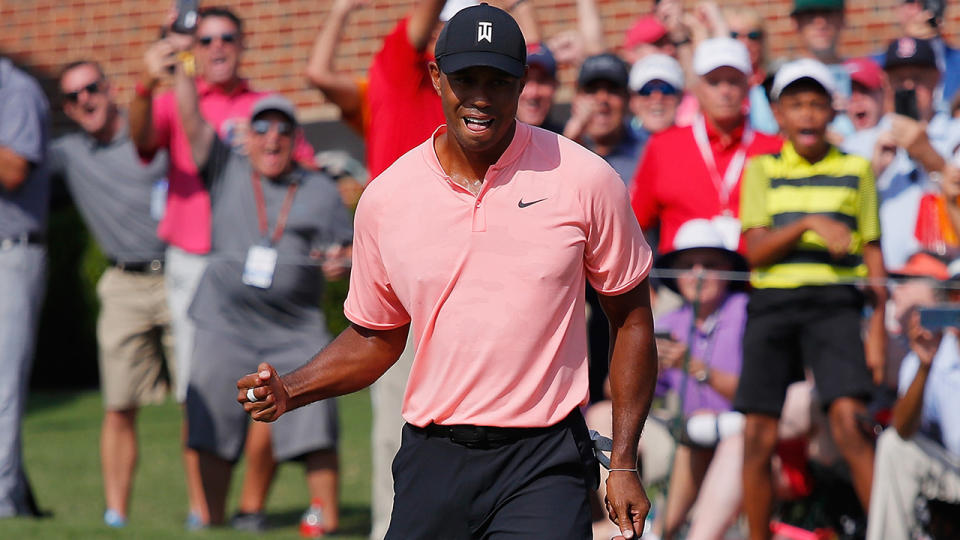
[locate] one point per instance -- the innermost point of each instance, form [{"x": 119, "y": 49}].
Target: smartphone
[
  {"x": 940, "y": 316},
  {"x": 905, "y": 103},
  {"x": 187, "y": 14}
]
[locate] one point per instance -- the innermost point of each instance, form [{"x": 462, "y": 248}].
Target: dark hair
[
  {"x": 220, "y": 11},
  {"x": 77, "y": 63},
  {"x": 805, "y": 84}
]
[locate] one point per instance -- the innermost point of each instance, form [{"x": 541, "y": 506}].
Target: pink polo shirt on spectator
[
  {"x": 186, "y": 220},
  {"x": 493, "y": 284}
]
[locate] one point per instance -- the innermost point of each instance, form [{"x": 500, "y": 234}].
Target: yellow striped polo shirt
[{"x": 779, "y": 189}]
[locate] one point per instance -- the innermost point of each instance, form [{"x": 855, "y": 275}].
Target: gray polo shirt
[
  {"x": 24, "y": 128},
  {"x": 111, "y": 186},
  {"x": 289, "y": 309}
]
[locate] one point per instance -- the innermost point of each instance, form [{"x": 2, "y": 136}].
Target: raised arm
[
  {"x": 633, "y": 377},
  {"x": 354, "y": 360},
  {"x": 158, "y": 62},
  {"x": 590, "y": 26},
  {"x": 907, "y": 409},
  {"x": 423, "y": 19},
  {"x": 199, "y": 133},
  {"x": 524, "y": 12},
  {"x": 339, "y": 88}
]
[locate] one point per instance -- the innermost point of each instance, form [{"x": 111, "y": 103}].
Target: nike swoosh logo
[{"x": 522, "y": 204}]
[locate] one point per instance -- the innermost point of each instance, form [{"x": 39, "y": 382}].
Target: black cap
[
  {"x": 908, "y": 51},
  {"x": 606, "y": 67},
  {"x": 481, "y": 36}
]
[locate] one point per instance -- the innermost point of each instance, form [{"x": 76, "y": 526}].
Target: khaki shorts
[{"x": 133, "y": 333}]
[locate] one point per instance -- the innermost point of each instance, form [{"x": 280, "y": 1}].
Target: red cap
[
  {"x": 646, "y": 29},
  {"x": 924, "y": 265},
  {"x": 865, "y": 71}
]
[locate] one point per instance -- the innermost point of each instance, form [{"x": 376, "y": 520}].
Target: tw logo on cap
[{"x": 485, "y": 31}]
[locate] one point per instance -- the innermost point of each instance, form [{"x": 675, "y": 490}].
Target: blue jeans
[{"x": 22, "y": 283}]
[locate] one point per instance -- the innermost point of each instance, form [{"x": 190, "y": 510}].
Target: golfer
[{"x": 479, "y": 241}]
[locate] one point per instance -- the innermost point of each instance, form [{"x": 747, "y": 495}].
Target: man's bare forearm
[
  {"x": 423, "y": 19},
  {"x": 199, "y": 133},
  {"x": 351, "y": 362},
  {"x": 633, "y": 369},
  {"x": 341, "y": 89},
  {"x": 14, "y": 169},
  {"x": 906, "y": 411},
  {"x": 141, "y": 118}
]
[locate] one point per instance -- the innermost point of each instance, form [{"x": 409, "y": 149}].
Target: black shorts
[
  {"x": 789, "y": 328},
  {"x": 533, "y": 487}
]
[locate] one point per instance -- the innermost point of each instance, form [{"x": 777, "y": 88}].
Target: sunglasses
[
  {"x": 225, "y": 38},
  {"x": 707, "y": 264},
  {"x": 262, "y": 127},
  {"x": 753, "y": 35},
  {"x": 666, "y": 89},
  {"x": 92, "y": 88}
]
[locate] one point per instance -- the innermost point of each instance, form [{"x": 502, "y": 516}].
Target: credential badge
[{"x": 484, "y": 31}]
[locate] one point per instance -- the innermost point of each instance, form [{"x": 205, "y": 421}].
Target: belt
[
  {"x": 31, "y": 238},
  {"x": 154, "y": 266},
  {"x": 487, "y": 436}
]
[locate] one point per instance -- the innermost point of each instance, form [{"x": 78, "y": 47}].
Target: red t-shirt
[
  {"x": 673, "y": 184},
  {"x": 403, "y": 106}
]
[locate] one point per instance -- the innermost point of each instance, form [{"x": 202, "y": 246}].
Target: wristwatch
[{"x": 702, "y": 376}]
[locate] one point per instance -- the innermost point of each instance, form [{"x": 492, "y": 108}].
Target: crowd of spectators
[{"x": 806, "y": 213}]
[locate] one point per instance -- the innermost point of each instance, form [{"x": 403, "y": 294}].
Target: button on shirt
[
  {"x": 673, "y": 184},
  {"x": 24, "y": 129},
  {"x": 111, "y": 187},
  {"x": 718, "y": 343},
  {"x": 186, "y": 221},
  {"x": 902, "y": 185},
  {"x": 940, "y": 416},
  {"x": 493, "y": 284}
]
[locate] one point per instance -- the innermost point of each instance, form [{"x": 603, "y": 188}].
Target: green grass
[{"x": 61, "y": 434}]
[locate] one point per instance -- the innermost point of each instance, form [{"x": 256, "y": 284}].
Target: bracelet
[
  {"x": 625, "y": 470},
  {"x": 141, "y": 90},
  {"x": 514, "y": 5}
]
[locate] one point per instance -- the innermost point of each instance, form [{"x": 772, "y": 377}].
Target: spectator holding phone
[
  {"x": 918, "y": 458},
  {"x": 225, "y": 102},
  {"x": 923, "y": 19},
  {"x": 909, "y": 149}
]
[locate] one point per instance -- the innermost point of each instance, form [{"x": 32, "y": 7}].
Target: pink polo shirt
[
  {"x": 493, "y": 284},
  {"x": 186, "y": 220}
]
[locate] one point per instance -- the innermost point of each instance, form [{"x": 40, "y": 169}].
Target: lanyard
[
  {"x": 731, "y": 176},
  {"x": 262, "y": 208}
]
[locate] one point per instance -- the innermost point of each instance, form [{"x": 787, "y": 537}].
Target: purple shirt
[{"x": 718, "y": 344}]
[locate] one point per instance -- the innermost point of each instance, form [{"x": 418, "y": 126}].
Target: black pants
[{"x": 531, "y": 488}]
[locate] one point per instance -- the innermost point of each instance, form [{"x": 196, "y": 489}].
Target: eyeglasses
[
  {"x": 753, "y": 35},
  {"x": 262, "y": 127},
  {"x": 92, "y": 88},
  {"x": 664, "y": 88},
  {"x": 225, "y": 38}
]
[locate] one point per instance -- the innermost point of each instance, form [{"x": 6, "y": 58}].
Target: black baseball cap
[
  {"x": 481, "y": 36},
  {"x": 908, "y": 51},
  {"x": 605, "y": 67}
]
